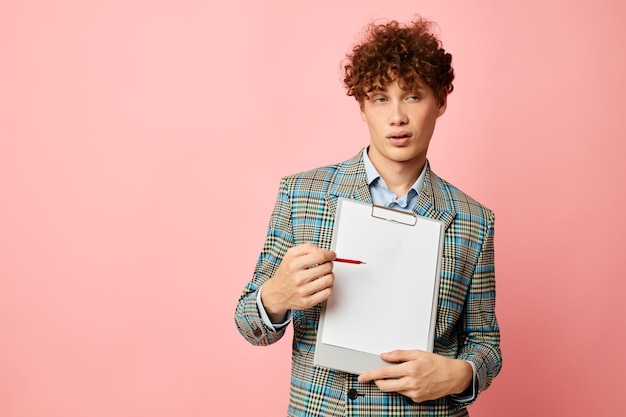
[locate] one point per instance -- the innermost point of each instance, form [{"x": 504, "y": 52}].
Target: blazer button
[
  {"x": 353, "y": 394},
  {"x": 257, "y": 332}
]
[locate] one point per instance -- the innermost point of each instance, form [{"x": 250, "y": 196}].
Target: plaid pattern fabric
[{"x": 466, "y": 323}]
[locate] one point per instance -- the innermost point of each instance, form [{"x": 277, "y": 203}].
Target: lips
[{"x": 399, "y": 138}]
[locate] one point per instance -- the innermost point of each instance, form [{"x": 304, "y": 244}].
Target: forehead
[
  {"x": 415, "y": 84},
  {"x": 407, "y": 81}
]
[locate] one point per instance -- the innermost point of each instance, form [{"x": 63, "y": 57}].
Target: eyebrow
[
  {"x": 414, "y": 89},
  {"x": 417, "y": 87}
]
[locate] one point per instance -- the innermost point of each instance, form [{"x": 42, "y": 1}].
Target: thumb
[{"x": 399, "y": 356}]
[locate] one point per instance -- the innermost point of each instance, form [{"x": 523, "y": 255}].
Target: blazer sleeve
[
  {"x": 481, "y": 344},
  {"x": 278, "y": 240}
]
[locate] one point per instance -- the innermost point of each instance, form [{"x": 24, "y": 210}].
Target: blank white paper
[{"x": 387, "y": 303}]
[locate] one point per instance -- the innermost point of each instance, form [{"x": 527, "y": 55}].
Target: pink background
[{"x": 141, "y": 145}]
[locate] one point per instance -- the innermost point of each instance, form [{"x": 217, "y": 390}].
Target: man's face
[{"x": 401, "y": 124}]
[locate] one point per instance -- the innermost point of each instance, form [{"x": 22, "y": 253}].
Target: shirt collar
[{"x": 372, "y": 174}]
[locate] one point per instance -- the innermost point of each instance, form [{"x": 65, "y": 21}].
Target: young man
[{"x": 401, "y": 77}]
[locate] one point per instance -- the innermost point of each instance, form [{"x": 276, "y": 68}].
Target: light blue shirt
[{"x": 383, "y": 196}]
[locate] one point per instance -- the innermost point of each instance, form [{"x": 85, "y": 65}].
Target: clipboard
[{"x": 390, "y": 301}]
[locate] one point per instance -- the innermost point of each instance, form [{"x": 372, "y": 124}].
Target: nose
[{"x": 398, "y": 115}]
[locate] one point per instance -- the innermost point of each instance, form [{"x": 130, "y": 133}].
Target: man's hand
[
  {"x": 303, "y": 279},
  {"x": 420, "y": 375}
]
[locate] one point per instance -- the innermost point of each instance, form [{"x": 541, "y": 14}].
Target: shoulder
[
  {"x": 458, "y": 200},
  {"x": 324, "y": 178}
]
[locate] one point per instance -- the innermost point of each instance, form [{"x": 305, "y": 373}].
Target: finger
[
  {"x": 322, "y": 269},
  {"x": 303, "y": 257},
  {"x": 399, "y": 356},
  {"x": 321, "y": 283},
  {"x": 391, "y": 385},
  {"x": 302, "y": 249},
  {"x": 315, "y": 264},
  {"x": 386, "y": 372},
  {"x": 319, "y": 257},
  {"x": 320, "y": 296},
  {"x": 316, "y": 291},
  {"x": 304, "y": 275}
]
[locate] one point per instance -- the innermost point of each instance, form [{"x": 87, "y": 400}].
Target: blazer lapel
[
  {"x": 432, "y": 201},
  {"x": 350, "y": 182}
]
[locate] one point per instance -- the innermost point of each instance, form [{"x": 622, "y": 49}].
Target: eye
[
  {"x": 379, "y": 99},
  {"x": 413, "y": 97}
]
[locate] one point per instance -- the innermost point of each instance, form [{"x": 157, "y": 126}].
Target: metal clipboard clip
[{"x": 396, "y": 216}]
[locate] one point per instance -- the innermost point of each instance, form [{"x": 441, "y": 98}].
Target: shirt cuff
[
  {"x": 275, "y": 326},
  {"x": 469, "y": 394}
]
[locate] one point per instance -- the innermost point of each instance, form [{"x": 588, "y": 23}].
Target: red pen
[{"x": 348, "y": 261}]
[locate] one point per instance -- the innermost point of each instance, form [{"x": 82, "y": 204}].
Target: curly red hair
[{"x": 396, "y": 52}]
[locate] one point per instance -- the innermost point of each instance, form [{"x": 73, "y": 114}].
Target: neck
[{"x": 399, "y": 176}]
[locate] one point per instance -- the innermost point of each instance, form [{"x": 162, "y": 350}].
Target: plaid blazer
[{"x": 466, "y": 327}]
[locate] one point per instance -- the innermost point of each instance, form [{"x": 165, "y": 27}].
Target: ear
[{"x": 443, "y": 102}]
